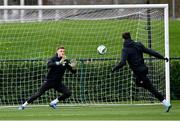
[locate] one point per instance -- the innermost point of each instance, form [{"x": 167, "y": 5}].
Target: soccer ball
[{"x": 101, "y": 49}]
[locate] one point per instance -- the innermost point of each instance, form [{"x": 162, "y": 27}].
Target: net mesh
[{"x": 29, "y": 37}]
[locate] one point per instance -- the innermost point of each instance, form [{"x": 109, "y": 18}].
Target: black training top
[
  {"x": 133, "y": 53},
  {"x": 56, "y": 72}
]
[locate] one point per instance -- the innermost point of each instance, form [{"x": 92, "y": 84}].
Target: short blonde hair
[{"x": 61, "y": 47}]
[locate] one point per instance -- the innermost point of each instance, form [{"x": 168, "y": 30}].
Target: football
[{"x": 101, "y": 49}]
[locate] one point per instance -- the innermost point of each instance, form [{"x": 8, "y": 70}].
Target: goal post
[
  {"x": 29, "y": 38},
  {"x": 166, "y": 29}
]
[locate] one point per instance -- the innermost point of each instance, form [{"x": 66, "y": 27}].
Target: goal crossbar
[{"x": 83, "y": 6}]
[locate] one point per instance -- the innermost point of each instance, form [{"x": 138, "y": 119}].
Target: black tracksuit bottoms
[
  {"x": 56, "y": 85},
  {"x": 143, "y": 81}
]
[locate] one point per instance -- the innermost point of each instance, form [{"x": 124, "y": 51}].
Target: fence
[{"x": 174, "y": 5}]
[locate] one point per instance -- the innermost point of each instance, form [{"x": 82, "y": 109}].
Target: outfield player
[
  {"x": 57, "y": 66},
  {"x": 132, "y": 52}
]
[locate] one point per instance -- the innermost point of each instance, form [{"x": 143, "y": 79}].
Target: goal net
[{"x": 30, "y": 35}]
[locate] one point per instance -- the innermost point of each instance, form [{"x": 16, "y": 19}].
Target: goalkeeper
[
  {"x": 57, "y": 66},
  {"x": 133, "y": 53}
]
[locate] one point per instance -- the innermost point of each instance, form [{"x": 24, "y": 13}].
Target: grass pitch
[{"x": 106, "y": 112}]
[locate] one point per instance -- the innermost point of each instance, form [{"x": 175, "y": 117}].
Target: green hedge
[
  {"x": 19, "y": 80},
  {"x": 175, "y": 79}
]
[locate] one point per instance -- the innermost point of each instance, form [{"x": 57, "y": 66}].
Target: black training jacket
[
  {"x": 56, "y": 72},
  {"x": 133, "y": 53}
]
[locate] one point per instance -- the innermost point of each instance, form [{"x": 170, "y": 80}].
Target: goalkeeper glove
[
  {"x": 62, "y": 61},
  {"x": 166, "y": 59},
  {"x": 73, "y": 63}
]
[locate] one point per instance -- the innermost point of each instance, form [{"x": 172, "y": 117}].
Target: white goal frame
[{"x": 166, "y": 24}]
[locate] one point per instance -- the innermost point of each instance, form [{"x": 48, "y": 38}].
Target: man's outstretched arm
[
  {"x": 122, "y": 62},
  {"x": 154, "y": 53}
]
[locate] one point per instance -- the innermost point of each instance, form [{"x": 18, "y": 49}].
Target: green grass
[
  {"x": 118, "y": 112},
  {"x": 174, "y": 36},
  {"x": 39, "y": 40}
]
